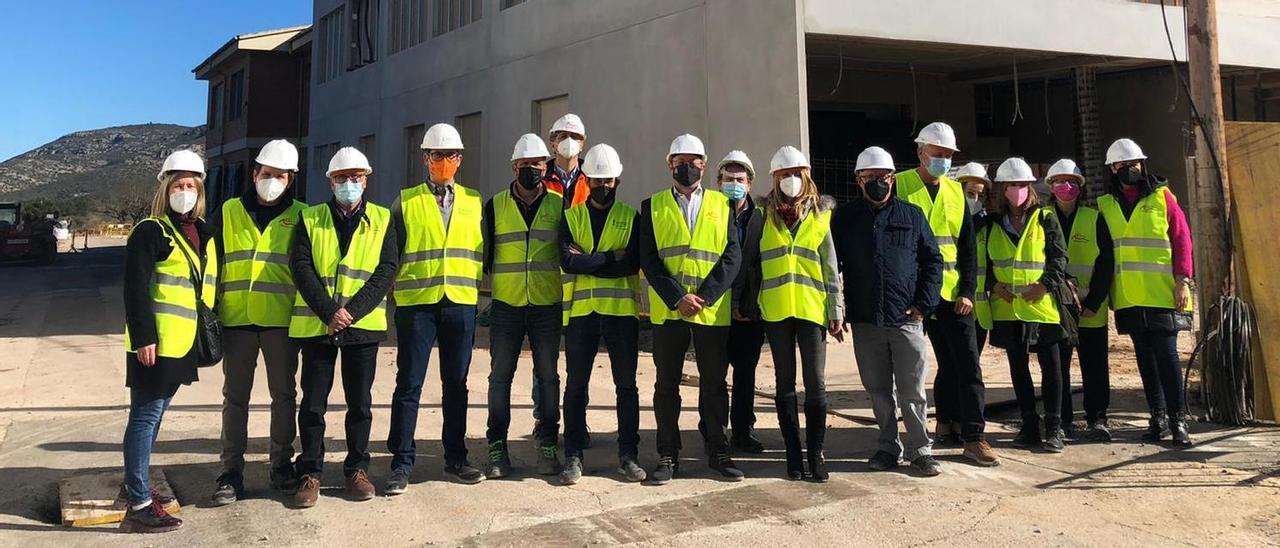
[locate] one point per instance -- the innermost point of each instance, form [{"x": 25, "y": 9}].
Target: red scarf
[{"x": 788, "y": 213}]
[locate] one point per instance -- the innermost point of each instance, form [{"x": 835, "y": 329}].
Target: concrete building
[
  {"x": 1041, "y": 79},
  {"x": 259, "y": 90}
]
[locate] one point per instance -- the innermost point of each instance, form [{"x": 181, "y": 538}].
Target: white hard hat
[
  {"x": 602, "y": 162},
  {"x": 1064, "y": 166},
  {"x": 348, "y": 158},
  {"x": 972, "y": 169},
  {"x": 738, "y": 157},
  {"x": 1015, "y": 170},
  {"x": 787, "y": 157},
  {"x": 1124, "y": 150},
  {"x": 687, "y": 144},
  {"x": 529, "y": 145},
  {"x": 940, "y": 134},
  {"x": 182, "y": 160},
  {"x": 280, "y": 154},
  {"x": 874, "y": 158},
  {"x": 570, "y": 123},
  {"x": 442, "y": 137}
]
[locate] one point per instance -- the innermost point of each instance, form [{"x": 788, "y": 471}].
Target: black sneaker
[
  {"x": 549, "y": 460},
  {"x": 230, "y": 486},
  {"x": 631, "y": 470},
  {"x": 149, "y": 519},
  {"x": 1157, "y": 428},
  {"x": 284, "y": 480},
  {"x": 883, "y": 461},
  {"x": 464, "y": 472},
  {"x": 499, "y": 461},
  {"x": 1179, "y": 432},
  {"x": 397, "y": 482},
  {"x": 927, "y": 466},
  {"x": 1029, "y": 435},
  {"x": 665, "y": 471},
  {"x": 723, "y": 464},
  {"x": 1098, "y": 430},
  {"x": 572, "y": 471},
  {"x": 1053, "y": 442},
  {"x": 748, "y": 444}
]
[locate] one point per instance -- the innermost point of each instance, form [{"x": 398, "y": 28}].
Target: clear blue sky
[{"x": 85, "y": 64}]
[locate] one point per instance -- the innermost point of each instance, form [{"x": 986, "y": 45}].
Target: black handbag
[{"x": 208, "y": 343}]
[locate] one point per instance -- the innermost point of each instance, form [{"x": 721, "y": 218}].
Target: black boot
[
  {"x": 1029, "y": 434},
  {"x": 816, "y": 434},
  {"x": 795, "y": 464},
  {"x": 1178, "y": 429},
  {"x": 789, "y": 424},
  {"x": 1053, "y": 435},
  {"x": 1157, "y": 427}
]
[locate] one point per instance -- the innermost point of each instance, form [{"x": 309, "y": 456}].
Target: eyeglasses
[
  {"x": 352, "y": 179},
  {"x": 444, "y": 154}
]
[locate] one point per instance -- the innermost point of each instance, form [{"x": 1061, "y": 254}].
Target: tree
[{"x": 131, "y": 206}]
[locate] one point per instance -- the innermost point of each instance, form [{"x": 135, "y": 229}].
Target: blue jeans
[
  {"x": 508, "y": 326},
  {"x": 147, "y": 405},
  {"x": 417, "y": 329},
  {"x": 1160, "y": 369}
]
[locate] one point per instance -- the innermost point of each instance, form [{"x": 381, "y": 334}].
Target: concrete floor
[{"x": 63, "y": 406}]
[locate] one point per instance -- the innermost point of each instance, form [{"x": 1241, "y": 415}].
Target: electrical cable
[
  {"x": 915, "y": 101},
  {"x": 840, "y": 74},
  {"x": 1017, "y": 98}
]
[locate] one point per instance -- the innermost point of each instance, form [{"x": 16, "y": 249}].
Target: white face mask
[
  {"x": 269, "y": 189},
  {"x": 183, "y": 201},
  {"x": 790, "y": 186},
  {"x": 569, "y": 147}
]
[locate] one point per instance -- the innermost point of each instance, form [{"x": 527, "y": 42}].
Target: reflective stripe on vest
[
  {"x": 526, "y": 259},
  {"x": 1082, "y": 253},
  {"x": 173, "y": 293},
  {"x": 440, "y": 263},
  {"x": 945, "y": 213},
  {"x": 1020, "y": 265},
  {"x": 257, "y": 284},
  {"x": 343, "y": 275},
  {"x": 1144, "y": 255},
  {"x": 793, "y": 284},
  {"x": 585, "y": 294},
  {"x": 689, "y": 257}
]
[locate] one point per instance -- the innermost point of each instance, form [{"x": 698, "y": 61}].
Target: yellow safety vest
[
  {"x": 981, "y": 298},
  {"x": 793, "y": 283},
  {"x": 343, "y": 275},
  {"x": 173, "y": 293},
  {"x": 1144, "y": 255},
  {"x": 1082, "y": 254},
  {"x": 440, "y": 263},
  {"x": 690, "y": 257},
  {"x": 1020, "y": 265},
  {"x": 585, "y": 294},
  {"x": 526, "y": 259},
  {"x": 257, "y": 284},
  {"x": 945, "y": 213}
]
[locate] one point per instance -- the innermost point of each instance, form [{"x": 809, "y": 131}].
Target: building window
[
  {"x": 328, "y": 44},
  {"x": 454, "y": 14},
  {"x": 324, "y": 153},
  {"x": 546, "y": 112},
  {"x": 414, "y": 170},
  {"x": 407, "y": 26},
  {"x": 509, "y": 3},
  {"x": 469, "y": 128},
  {"x": 215, "y": 106},
  {"x": 364, "y": 33},
  {"x": 369, "y": 146},
  {"x": 235, "y": 96}
]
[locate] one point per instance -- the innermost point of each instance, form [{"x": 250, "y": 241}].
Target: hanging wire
[
  {"x": 1048, "y": 124},
  {"x": 1017, "y": 97},
  {"x": 915, "y": 101},
  {"x": 840, "y": 74}
]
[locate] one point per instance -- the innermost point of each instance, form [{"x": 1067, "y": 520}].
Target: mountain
[{"x": 96, "y": 163}]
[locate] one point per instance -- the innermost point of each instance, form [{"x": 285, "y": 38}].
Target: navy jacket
[{"x": 889, "y": 259}]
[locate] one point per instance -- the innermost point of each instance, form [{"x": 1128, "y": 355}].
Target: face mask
[
  {"x": 939, "y": 166},
  {"x": 348, "y": 193},
  {"x": 442, "y": 170},
  {"x": 877, "y": 190},
  {"x": 183, "y": 201},
  {"x": 569, "y": 147},
  {"x": 790, "y": 186},
  {"x": 734, "y": 191},
  {"x": 529, "y": 177},
  {"x": 1129, "y": 176},
  {"x": 1066, "y": 193},
  {"x": 975, "y": 205},
  {"x": 269, "y": 189},
  {"x": 602, "y": 195},
  {"x": 1017, "y": 195},
  {"x": 687, "y": 174}
]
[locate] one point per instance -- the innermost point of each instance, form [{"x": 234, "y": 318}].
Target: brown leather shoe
[
  {"x": 359, "y": 486},
  {"x": 308, "y": 492},
  {"x": 981, "y": 453}
]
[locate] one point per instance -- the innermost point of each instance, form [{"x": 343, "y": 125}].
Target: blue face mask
[
  {"x": 939, "y": 166},
  {"x": 348, "y": 193},
  {"x": 734, "y": 191}
]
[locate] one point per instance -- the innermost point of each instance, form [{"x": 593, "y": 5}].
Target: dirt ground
[{"x": 63, "y": 406}]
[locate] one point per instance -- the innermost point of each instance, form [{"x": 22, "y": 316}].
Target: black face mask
[
  {"x": 687, "y": 174},
  {"x": 877, "y": 190},
  {"x": 529, "y": 177},
  {"x": 1129, "y": 176},
  {"x": 602, "y": 195}
]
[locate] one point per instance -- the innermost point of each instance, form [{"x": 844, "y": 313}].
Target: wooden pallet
[{"x": 96, "y": 499}]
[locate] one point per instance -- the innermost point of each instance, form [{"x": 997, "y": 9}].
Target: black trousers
[
  {"x": 1094, "y": 375},
  {"x": 745, "y": 341},
  {"x": 785, "y": 338},
  {"x": 1050, "y": 381},
  {"x": 359, "y": 362},
  {"x": 670, "y": 342},
  {"x": 581, "y": 345},
  {"x": 958, "y": 391}
]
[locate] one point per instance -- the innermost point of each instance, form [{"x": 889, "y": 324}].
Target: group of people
[{"x": 920, "y": 255}]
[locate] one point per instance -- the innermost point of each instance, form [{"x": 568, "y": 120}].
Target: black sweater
[
  {"x": 1103, "y": 266},
  {"x": 718, "y": 281},
  {"x": 604, "y": 265}
]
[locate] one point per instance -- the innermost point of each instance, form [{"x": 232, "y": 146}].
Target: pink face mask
[
  {"x": 1067, "y": 192},
  {"x": 1017, "y": 195}
]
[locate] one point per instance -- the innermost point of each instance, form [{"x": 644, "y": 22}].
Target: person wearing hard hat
[
  {"x": 1024, "y": 255},
  {"x": 520, "y": 231},
  {"x": 958, "y": 390},
  {"x": 564, "y": 176},
  {"x": 598, "y": 253},
  {"x": 256, "y": 232},
  {"x": 800, "y": 303},
  {"x": 171, "y": 265},
  {"x": 689, "y": 254},
  {"x": 746, "y": 332},
  {"x": 973, "y": 178},
  {"x": 344, "y": 258},
  {"x": 891, "y": 269},
  {"x": 436, "y": 291},
  {"x": 1151, "y": 293},
  {"x": 1090, "y": 267}
]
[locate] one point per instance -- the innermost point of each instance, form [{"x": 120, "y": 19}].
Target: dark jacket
[
  {"x": 366, "y": 300},
  {"x": 746, "y": 286},
  {"x": 889, "y": 259},
  {"x": 1017, "y": 335},
  {"x": 717, "y": 282},
  {"x": 610, "y": 264},
  {"x": 1103, "y": 266}
]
